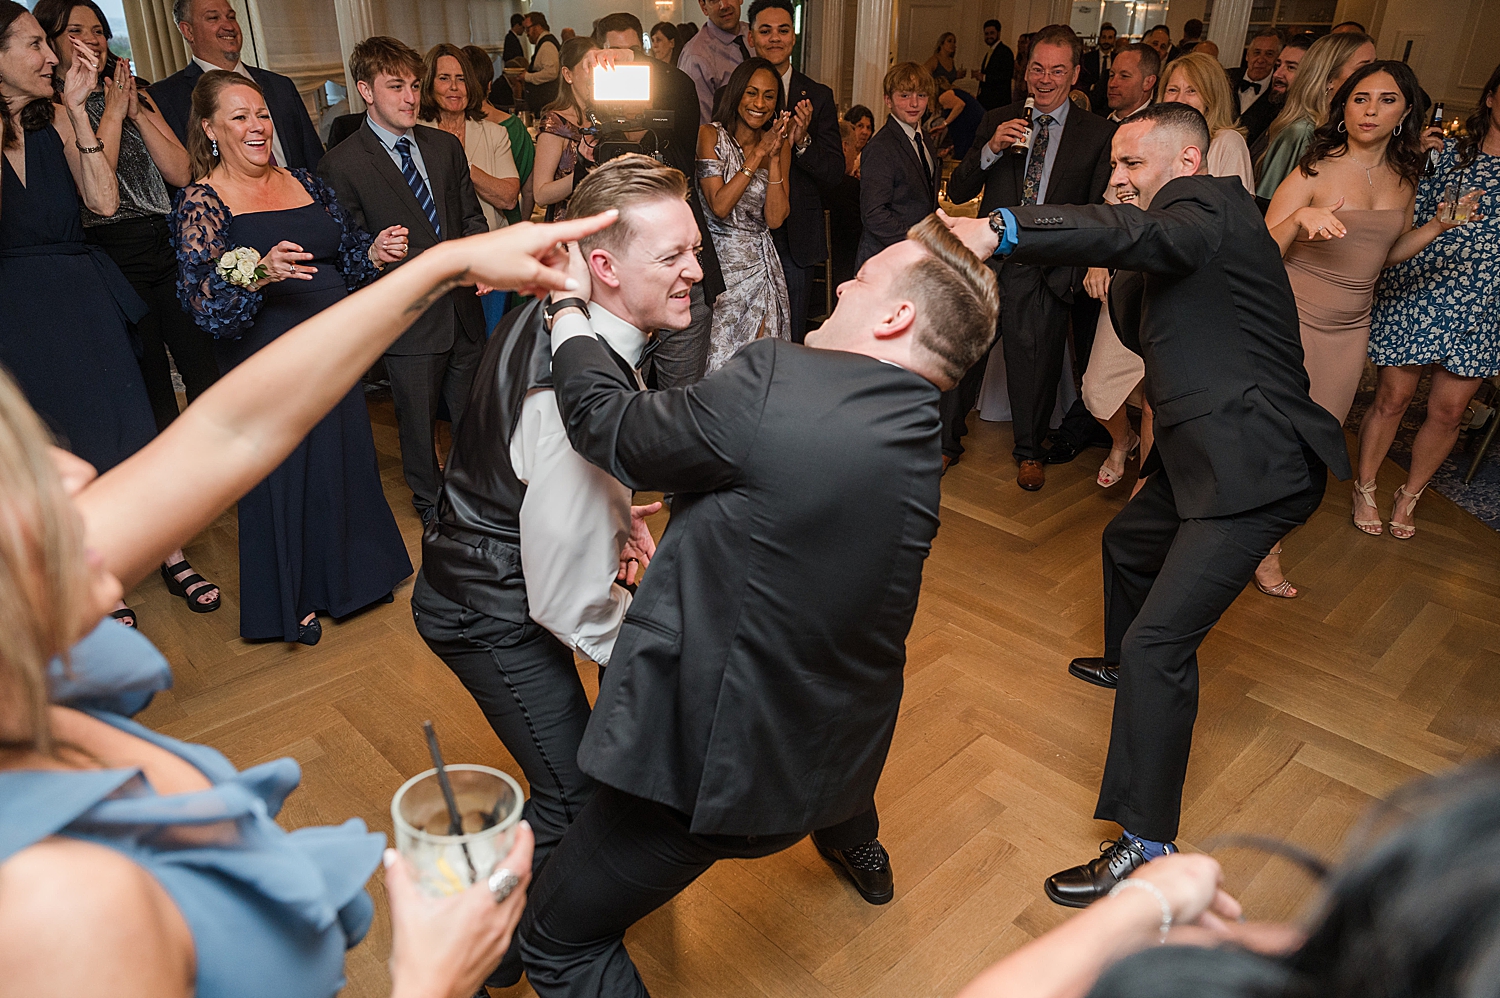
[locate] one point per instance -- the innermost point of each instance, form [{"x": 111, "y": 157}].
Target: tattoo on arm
[{"x": 425, "y": 302}]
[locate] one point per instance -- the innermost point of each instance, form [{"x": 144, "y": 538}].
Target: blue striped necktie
[{"x": 417, "y": 184}]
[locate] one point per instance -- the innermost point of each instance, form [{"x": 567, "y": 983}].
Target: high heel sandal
[
  {"x": 1404, "y": 531},
  {"x": 1364, "y": 495},
  {"x": 1283, "y": 589},
  {"x": 1106, "y": 476},
  {"x": 182, "y": 587},
  {"x": 126, "y": 617}
]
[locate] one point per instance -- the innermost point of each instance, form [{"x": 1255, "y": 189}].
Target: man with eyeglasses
[{"x": 1067, "y": 162}]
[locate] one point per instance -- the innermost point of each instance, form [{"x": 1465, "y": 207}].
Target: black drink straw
[{"x": 455, "y": 823}]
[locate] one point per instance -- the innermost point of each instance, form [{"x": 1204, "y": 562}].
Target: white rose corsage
[{"x": 241, "y": 267}]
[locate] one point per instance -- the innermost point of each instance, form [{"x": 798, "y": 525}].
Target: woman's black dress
[
  {"x": 64, "y": 307},
  {"x": 317, "y": 534}
]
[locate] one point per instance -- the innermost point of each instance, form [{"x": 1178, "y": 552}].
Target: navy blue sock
[{"x": 1150, "y": 848}]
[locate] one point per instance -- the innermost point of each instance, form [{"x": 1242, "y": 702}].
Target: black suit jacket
[
  {"x": 999, "y": 67},
  {"x": 894, "y": 194},
  {"x": 1258, "y": 116},
  {"x": 1212, "y": 315},
  {"x": 1080, "y": 173},
  {"x": 814, "y": 173},
  {"x": 299, "y": 139},
  {"x": 757, "y": 675},
  {"x": 373, "y": 193}
]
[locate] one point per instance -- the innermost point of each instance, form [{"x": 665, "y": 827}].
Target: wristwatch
[
  {"x": 551, "y": 308},
  {"x": 997, "y": 224}
]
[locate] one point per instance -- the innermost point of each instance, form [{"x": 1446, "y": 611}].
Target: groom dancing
[
  {"x": 755, "y": 682},
  {"x": 1241, "y": 454}
]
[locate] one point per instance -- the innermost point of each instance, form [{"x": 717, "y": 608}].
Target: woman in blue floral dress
[
  {"x": 1440, "y": 309},
  {"x": 317, "y": 536}
]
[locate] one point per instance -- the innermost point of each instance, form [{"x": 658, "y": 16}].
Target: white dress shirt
[
  {"x": 1248, "y": 97},
  {"x": 388, "y": 140},
  {"x": 575, "y": 517},
  {"x": 917, "y": 143},
  {"x": 1054, "y": 139},
  {"x": 239, "y": 67}
]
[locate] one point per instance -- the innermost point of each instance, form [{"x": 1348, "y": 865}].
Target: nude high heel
[
  {"x": 1283, "y": 589},
  {"x": 1403, "y": 531},
  {"x": 1364, "y": 500},
  {"x": 1107, "y": 477}
]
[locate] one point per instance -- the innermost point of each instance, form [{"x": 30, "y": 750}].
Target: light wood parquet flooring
[{"x": 1311, "y": 710}]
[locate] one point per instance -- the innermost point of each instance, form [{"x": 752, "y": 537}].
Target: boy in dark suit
[
  {"x": 1241, "y": 454},
  {"x": 213, "y": 34},
  {"x": 755, "y": 683},
  {"x": 899, "y": 169},
  {"x": 393, "y": 171}
]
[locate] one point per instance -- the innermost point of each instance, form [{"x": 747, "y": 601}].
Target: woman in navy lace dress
[{"x": 317, "y": 535}]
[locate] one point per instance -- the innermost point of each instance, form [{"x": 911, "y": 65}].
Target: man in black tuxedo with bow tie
[
  {"x": 817, "y": 156},
  {"x": 1242, "y": 452},
  {"x": 1251, "y": 84},
  {"x": 1066, "y": 163},
  {"x": 392, "y": 171}
]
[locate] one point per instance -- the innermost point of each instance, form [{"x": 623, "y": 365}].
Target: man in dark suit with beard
[
  {"x": 817, "y": 157},
  {"x": 1067, "y": 163},
  {"x": 997, "y": 69},
  {"x": 213, "y": 34},
  {"x": 1241, "y": 454},
  {"x": 754, "y": 686},
  {"x": 393, "y": 171}
]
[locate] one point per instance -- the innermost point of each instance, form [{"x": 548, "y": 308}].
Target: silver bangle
[
  {"x": 1146, "y": 885},
  {"x": 775, "y": 181}
]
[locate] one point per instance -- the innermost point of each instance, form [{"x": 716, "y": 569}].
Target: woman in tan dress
[{"x": 1340, "y": 218}]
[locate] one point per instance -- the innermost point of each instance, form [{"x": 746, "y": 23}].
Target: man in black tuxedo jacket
[
  {"x": 1093, "y": 77},
  {"x": 396, "y": 172},
  {"x": 755, "y": 682},
  {"x": 997, "y": 69},
  {"x": 1069, "y": 165},
  {"x": 1252, "y": 85},
  {"x": 817, "y": 157},
  {"x": 899, "y": 169},
  {"x": 1241, "y": 453},
  {"x": 213, "y": 34}
]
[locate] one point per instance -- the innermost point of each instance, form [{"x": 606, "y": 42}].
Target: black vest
[
  {"x": 471, "y": 551},
  {"x": 539, "y": 95}
]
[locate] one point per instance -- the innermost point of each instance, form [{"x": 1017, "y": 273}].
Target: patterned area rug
[{"x": 1481, "y": 497}]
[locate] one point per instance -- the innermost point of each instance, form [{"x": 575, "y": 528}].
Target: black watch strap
[{"x": 553, "y": 307}]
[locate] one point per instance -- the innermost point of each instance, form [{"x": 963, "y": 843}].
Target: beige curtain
[{"x": 155, "y": 43}]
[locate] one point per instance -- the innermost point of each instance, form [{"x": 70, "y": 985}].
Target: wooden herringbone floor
[{"x": 1311, "y": 710}]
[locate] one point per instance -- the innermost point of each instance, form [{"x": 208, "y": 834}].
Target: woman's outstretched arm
[{"x": 253, "y": 417}]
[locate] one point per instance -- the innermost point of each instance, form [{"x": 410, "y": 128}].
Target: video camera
[{"x": 621, "y": 106}]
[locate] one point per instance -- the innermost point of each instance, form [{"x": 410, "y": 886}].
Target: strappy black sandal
[
  {"x": 176, "y": 588},
  {"x": 126, "y": 617}
]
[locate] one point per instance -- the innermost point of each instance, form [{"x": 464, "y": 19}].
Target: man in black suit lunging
[
  {"x": 754, "y": 686},
  {"x": 817, "y": 157},
  {"x": 213, "y": 33},
  {"x": 1241, "y": 453},
  {"x": 393, "y": 171},
  {"x": 1066, "y": 163}
]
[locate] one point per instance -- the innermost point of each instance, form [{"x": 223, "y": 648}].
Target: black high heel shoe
[
  {"x": 176, "y": 588},
  {"x": 310, "y": 633}
]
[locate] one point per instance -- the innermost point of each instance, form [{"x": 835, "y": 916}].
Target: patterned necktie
[
  {"x": 417, "y": 184},
  {"x": 1032, "y": 188}
]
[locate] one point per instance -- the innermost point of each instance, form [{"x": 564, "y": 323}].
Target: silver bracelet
[
  {"x": 1146, "y": 885},
  {"x": 774, "y": 181}
]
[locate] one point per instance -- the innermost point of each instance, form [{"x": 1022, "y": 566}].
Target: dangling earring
[
  {"x": 1340, "y": 128},
  {"x": 216, "y": 148}
]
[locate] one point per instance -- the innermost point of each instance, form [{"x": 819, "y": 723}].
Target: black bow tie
[{"x": 1249, "y": 85}]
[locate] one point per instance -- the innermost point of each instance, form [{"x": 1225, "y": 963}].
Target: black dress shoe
[
  {"x": 310, "y": 633},
  {"x": 1061, "y": 452},
  {"x": 868, "y": 866},
  {"x": 1081, "y": 886},
  {"x": 1096, "y": 671}
]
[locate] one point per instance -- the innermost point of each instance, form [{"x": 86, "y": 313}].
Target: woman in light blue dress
[{"x": 1440, "y": 310}]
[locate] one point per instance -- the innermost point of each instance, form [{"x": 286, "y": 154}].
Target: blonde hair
[
  {"x": 958, "y": 299},
  {"x": 1208, "y": 78},
  {"x": 1307, "y": 98},
  {"x": 205, "y": 104},
  {"x": 623, "y": 182},
  {"x": 43, "y": 587}
]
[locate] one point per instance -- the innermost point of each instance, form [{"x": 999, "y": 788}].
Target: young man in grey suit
[
  {"x": 396, "y": 172},
  {"x": 1067, "y": 162},
  {"x": 1241, "y": 455},
  {"x": 753, "y": 688}
]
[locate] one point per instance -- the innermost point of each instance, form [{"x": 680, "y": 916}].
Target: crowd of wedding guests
[{"x": 123, "y": 205}]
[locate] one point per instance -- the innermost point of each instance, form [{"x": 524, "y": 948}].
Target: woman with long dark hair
[
  {"x": 317, "y": 534},
  {"x": 743, "y": 160},
  {"x": 1440, "y": 310},
  {"x": 1341, "y": 217},
  {"x": 564, "y": 145},
  {"x": 147, "y": 157}
]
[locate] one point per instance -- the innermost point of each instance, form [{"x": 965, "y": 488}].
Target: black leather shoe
[
  {"x": 310, "y": 633},
  {"x": 1061, "y": 452},
  {"x": 1081, "y": 886},
  {"x": 1096, "y": 671},
  {"x": 868, "y": 866}
]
